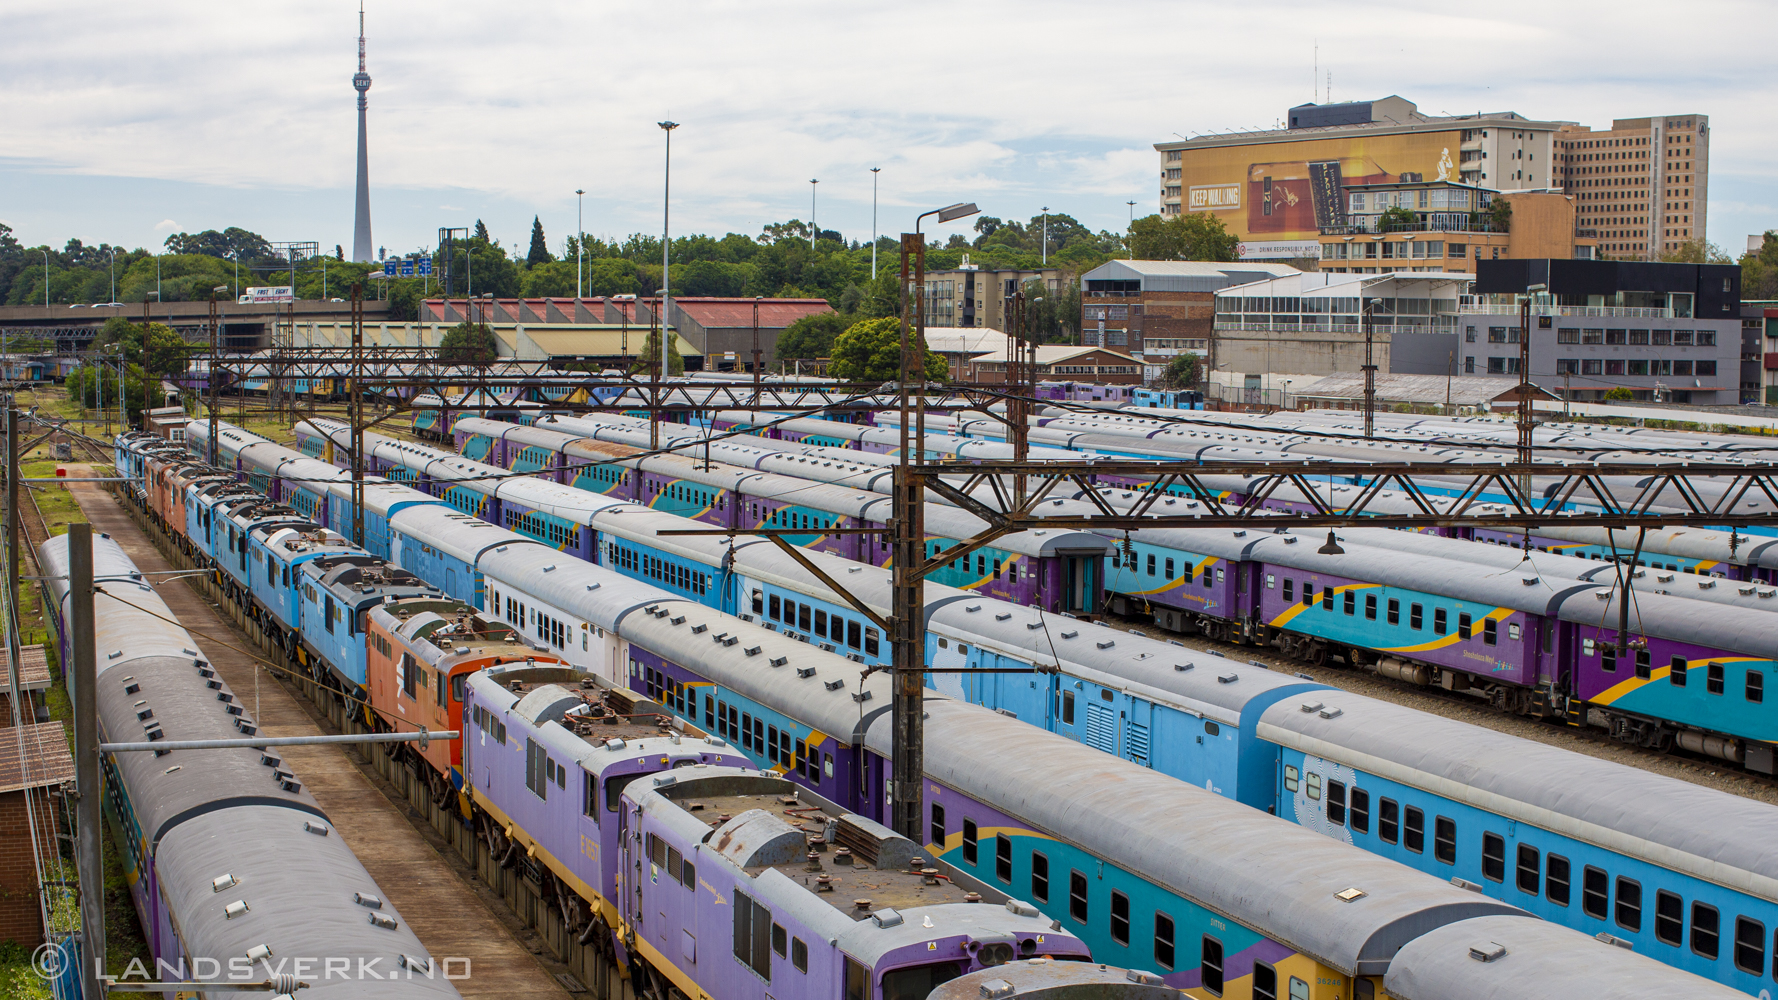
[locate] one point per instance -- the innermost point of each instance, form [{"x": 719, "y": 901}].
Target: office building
[
  {"x": 1279, "y": 190},
  {"x": 972, "y": 296},
  {"x": 1313, "y": 323},
  {"x": 1158, "y": 309},
  {"x": 1641, "y": 184}
]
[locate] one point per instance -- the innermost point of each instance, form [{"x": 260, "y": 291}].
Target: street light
[
  {"x": 113, "y": 252},
  {"x": 1130, "y": 244},
  {"x": 1046, "y": 235},
  {"x": 812, "y": 183},
  {"x": 579, "y": 241},
  {"x": 46, "y": 279},
  {"x": 874, "y": 171},
  {"x": 666, "y": 245}
]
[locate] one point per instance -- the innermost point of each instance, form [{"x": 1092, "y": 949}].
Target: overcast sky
[{"x": 126, "y": 121}]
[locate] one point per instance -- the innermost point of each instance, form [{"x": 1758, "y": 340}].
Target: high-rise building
[
  {"x": 362, "y": 251},
  {"x": 1641, "y": 184}
]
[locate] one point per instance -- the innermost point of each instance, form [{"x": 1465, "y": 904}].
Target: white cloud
[
  {"x": 1015, "y": 105},
  {"x": 165, "y": 226}
]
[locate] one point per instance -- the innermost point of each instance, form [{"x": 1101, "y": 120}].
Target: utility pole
[
  {"x": 874, "y": 171},
  {"x": 1525, "y": 413},
  {"x": 1370, "y": 372},
  {"x": 756, "y": 375},
  {"x": 355, "y": 404},
  {"x": 12, "y": 555},
  {"x": 89, "y": 822},
  {"x": 211, "y": 389},
  {"x": 908, "y": 603}
]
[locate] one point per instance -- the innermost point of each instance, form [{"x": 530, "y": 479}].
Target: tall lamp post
[
  {"x": 46, "y": 279},
  {"x": 1370, "y": 370},
  {"x": 812, "y": 230},
  {"x": 908, "y": 660},
  {"x": 1129, "y": 243},
  {"x": 654, "y": 433},
  {"x": 579, "y": 241},
  {"x": 1046, "y": 235},
  {"x": 113, "y": 252},
  {"x": 874, "y": 171}
]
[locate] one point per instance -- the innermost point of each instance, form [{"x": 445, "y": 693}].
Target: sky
[{"x": 127, "y": 121}]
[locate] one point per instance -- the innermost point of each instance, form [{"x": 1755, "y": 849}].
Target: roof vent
[
  {"x": 1706, "y": 584},
  {"x": 614, "y": 745},
  {"x": 1071, "y": 633},
  {"x": 834, "y": 685},
  {"x": 1350, "y": 895},
  {"x": 1007, "y": 615},
  {"x": 234, "y": 909},
  {"x": 1488, "y": 951},
  {"x": 779, "y": 661},
  {"x": 383, "y": 920},
  {"x": 318, "y": 829},
  {"x": 994, "y": 989},
  {"x": 365, "y": 899},
  {"x": 886, "y": 918},
  {"x": 1603, "y": 594},
  {"x": 259, "y": 952},
  {"x": 1311, "y": 706},
  {"x": 1183, "y": 667},
  {"x": 973, "y": 608},
  {"x": 1528, "y": 580},
  {"x": 861, "y": 697},
  {"x": 1291, "y": 539},
  {"x": 1228, "y": 678},
  {"x": 1603, "y": 937},
  {"x": 222, "y": 882},
  {"x": 805, "y": 672}
]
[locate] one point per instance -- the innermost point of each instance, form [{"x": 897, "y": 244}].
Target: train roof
[
  {"x": 301, "y": 890},
  {"x": 1343, "y": 906},
  {"x": 1211, "y": 686},
  {"x": 1049, "y": 979},
  {"x": 1496, "y": 957},
  {"x": 1676, "y": 824}
]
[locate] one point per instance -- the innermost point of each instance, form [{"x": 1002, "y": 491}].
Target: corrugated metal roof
[
  {"x": 1188, "y": 275},
  {"x": 45, "y": 759},
  {"x": 1055, "y": 354},
  {"x": 774, "y": 314},
  {"x": 964, "y": 339},
  {"x": 1465, "y": 390}
]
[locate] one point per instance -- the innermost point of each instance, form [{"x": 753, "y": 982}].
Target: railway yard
[{"x": 668, "y": 735}]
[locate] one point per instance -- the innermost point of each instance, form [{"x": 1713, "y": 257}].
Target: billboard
[
  {"x": 1281, "y": 192},
  {"x": 263, "y": 294}
]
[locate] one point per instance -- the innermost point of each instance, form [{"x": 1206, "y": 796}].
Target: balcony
[
  {"x": 1586, "y": 234},
  {"x": 1454, "y": 222},
  {"x": 1622, "y": 312}
]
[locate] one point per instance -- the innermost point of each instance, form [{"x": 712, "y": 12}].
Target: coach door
[{"x": 1080, "y": 582}]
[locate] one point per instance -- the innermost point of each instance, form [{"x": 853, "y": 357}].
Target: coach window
[
  {"x": 1750, "y": 946},
  {"x": 1351, "y": 603},
  {"x": 1169, "y": 569},
  {"x": 1271, "y": 581},
  {"x": 1414, "y": 832},
  {"x": 1706, "y": 930},
  {"x": 1120, "y": 917},
  {"x": 1676, "y": 672},
  {"x": 1394, "y": 611},
  {"x": 1290, "y": 777},
  {"x": 1077, "y": 895},
  {"x": 1308, "y": 594},
  {"x": 1439, "y": 620},
  {"x": 1756, "y": 686},
  {"x": 1556, "y": 880},
  {"x": 853, "y": 632},
  {"x": 774, "y": 606},
  {"x": 1608, "y": 658},
  {"x": 1444, "y": 839},
  {"x": 1643, "y": 671},
  {"x": 1465, "y": 625},
  {"x": 1040, "y": 877},
  {"x": 1360, "y": 811},
  {"x": 1490, "y": 632},
  {"x": 1713, "y": 681},
  {"x": 1370, "y": 607},
  {"x": 1163, "y": 940},
  {"x": 1336, "y": 803},
  {"x": 1151, "y": 564},
  {"x": 1493, "y": 857},
  {"x": 1003, "y": 858},
  {"x": 1068, "y": 708},
  {"x": 1314, "y": 786},
  {"x": 1265, "y": 982},
  {"x": 1327, "y": 596},
  {"x": 870, "y": 641},
  {"x": 1210, "y": 967},
  {"x": 802, "y": 616},
  {"x": 1669, "y": 918},
  {"x": 1388, "y": 820},
  {"x": 1528, "y": 869},
  {"x": 821, "y": 625},
  {"x": 938, "y": 826},
  {"x": 1289, "y": 598},
  {"x": 969, "y": 841},
  {"x": 1416, "y": 617},
  {"x": 799, "y": 954},
  {"x": 1629, "y": 904},
  {"x": 1595, "y": 892}
]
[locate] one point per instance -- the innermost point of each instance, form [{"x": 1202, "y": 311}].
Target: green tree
[
  {"x": 651, "y": 354},
  {"x": 1499, "y": 215},
  {"x": 612, "y": 276},
  {"x": 97, "y": 386},
  {"x": 1619, "y": 393},
  {"x": 1397, "y": 219},
  {"x": 539, "y": 246},
  {"x": 553, "y": 279},
  {"x": 1759, "y": 271},
  {"x": 812, "y": 336},
  {"x": 1196, "y": 236},
  {"x": 870, "y": 351},
  {"x": 1183, "y": 371},
  {"x": 468, "y": 344},
  {"x": 1697, "y": 251},
  {"x": 481, "y": 232}
]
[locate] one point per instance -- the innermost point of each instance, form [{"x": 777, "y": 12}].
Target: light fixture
[
  {"x": 1332, "y": 548},
  {"x": 957, "y": 211}
]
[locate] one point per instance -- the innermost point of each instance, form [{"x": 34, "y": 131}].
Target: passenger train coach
[
  {"x": 1329, "y": 930},
  {"x": 1129, "y": 695}
]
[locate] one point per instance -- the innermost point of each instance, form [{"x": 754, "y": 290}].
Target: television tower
[{"x": 362, "y": 250}]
